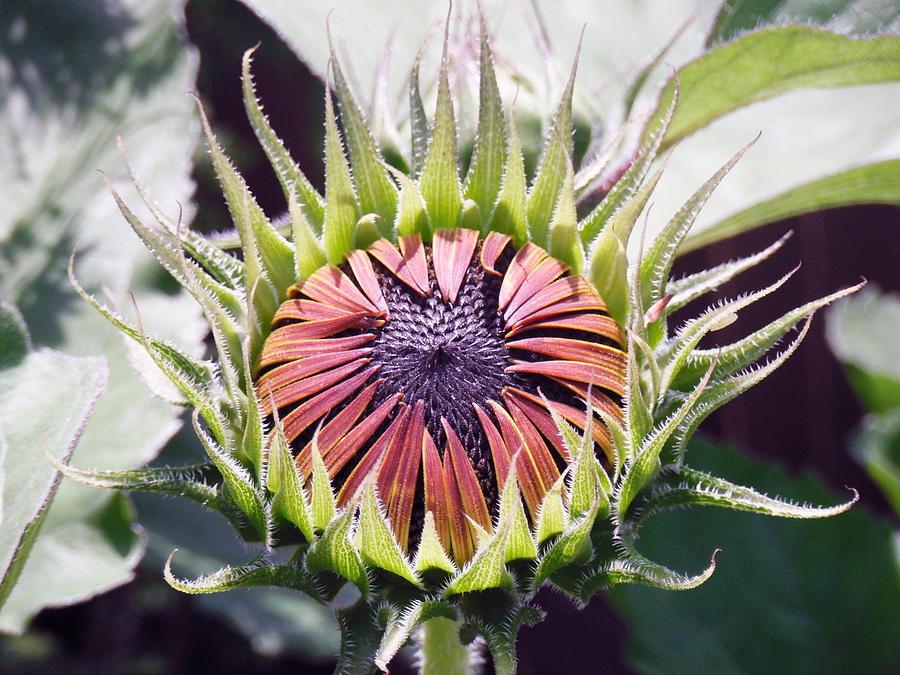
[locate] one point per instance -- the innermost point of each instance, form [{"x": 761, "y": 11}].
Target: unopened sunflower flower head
[{"x": 442, "y": 387}]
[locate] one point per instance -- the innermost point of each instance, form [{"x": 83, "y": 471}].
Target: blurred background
[{"x": 800, "y": 422}]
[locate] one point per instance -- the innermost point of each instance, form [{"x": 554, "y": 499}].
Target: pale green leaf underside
[
  {"x": 44, "y": 404},
  {"x": 772, "y": 61},
  {"x": 871, "y": 184}
]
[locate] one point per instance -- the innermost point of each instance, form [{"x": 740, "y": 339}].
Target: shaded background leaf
[
  {"x": 786, "y": 597},
  {"x": 74, "y": 76},
  {"x": 45, "y": 401}
]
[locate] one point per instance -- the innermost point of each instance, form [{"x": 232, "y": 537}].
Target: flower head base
[
  {"x": 451, "y": 345},
  {"x": 438, "y": 385}
]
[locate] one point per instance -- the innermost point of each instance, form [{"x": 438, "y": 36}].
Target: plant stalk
[{"x": 441, "y": 652}]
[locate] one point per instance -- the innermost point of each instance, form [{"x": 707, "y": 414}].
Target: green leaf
[
  {"x": 683, "y": 486},
  {"x": 430, "y": 554},
  {"x": 268, "y": 257},
  {"x": 574, "y": 545},
  {"x": 721, "y": 392},
  {"x": 877, "y": 445},
  {"x": 626, "y": 188},
  {"x": 499, "y": 628},
  {"x": 487, "y": 569},
  {"x": 401, "y": 626},
  {"x": 565, "y": 242},
  {"x": 64, "y": 117},
  {"x": 646, "y": 464},
  {"x": 795, "y": 613},
  {"x": 274, "y": 622},
  {"x": 862, "y": 332},
  {"x": 290, "y": 501},
  {"x": 412, "y": 218},
  {"x": 308, "y": 253},
  {"x": 323, "y": 508},
  {"x": 239, "y": 485},
  {"x": 83, "y": 549},
  {"x": 45, "y": 401},
  {"x": 361, "y": 638},
  {"x": 693, "y": 286},
  {"x": 744, "y": 71},
  {"x": 850, "y": 17},
  {"x": 737, "y": 355},
  {"x": 552, "y": 516},
  {"x": 609, "y": 261},
  {"x": 15, "y": 342},
  {"x": 656, "y": 264},
  {"x": 520, "y": 543},
  {"x": 418, "y": 120},
  {"x": 871, "y": 184}
]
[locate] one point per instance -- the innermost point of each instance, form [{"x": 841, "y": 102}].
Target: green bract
[{"x": 583, "y": 536}]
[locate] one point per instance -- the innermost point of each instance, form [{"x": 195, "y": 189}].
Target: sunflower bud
[{"x": 446, "y": 389}]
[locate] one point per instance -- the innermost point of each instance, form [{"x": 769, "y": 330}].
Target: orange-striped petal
[
  {"x": 499, "y": 451},
  {"x": 541, "y": 418},
  {"x": 599, "y": 400},
  {"x": 538, "y": 464},
  {"x": 414, "y": 256},
  {"x": 433, "y": 483},
  {"x": 549, "y": 295},
  {"x": 400, "y": 471},
  {"x": 312, "y": 330},
  {"x": 365, "y": 276},
  {"x": 301, "y": 417},
  {"x": 578, "y": 303},
  {"x": 598, "y": 324},
  {"x": 347, "y": 447},
  {"x": 545, "y": 272},
  {"x": 331, "y": 286},
  {"x": 302, "y": 368},
  {"x": 470, "y": 490},
  {"x": 491, "y": 248},
  {"x": 387, "y": 254},
  {"x": 573, "y": 415},
  {"x": 275, "y": 351},
  {"x": 307, "y": 310},
  {"x": 525, "y": 260},
  {"x": 451, "y": 254},
  {"x": 335, "y": 430},
  {"x": 611, "y": 378},
  {"x": 313, "y": 384},
  {"x": 372, "y": 459},
  {"x": 573, "y": 350}
]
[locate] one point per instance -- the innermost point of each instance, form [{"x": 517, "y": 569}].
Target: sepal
[
  {"x": 402, "y": 623},
  {"x": 239, "y": 486},
  {"x": 430, "y": 554},
  {"x": 255, "y": 573},
  {"x": 333, "y": 552},
  {"x": 376, "y": 543},
  {"x": 292, "y": 180},
  {"x": 284, "y": 480},
  {"x": 682, "y": 486}
]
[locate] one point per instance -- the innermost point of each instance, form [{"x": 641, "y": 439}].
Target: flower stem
[{"x": 441, "y": 650}]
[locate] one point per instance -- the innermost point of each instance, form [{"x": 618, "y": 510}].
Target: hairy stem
[{"x": 441, "y": 650}]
